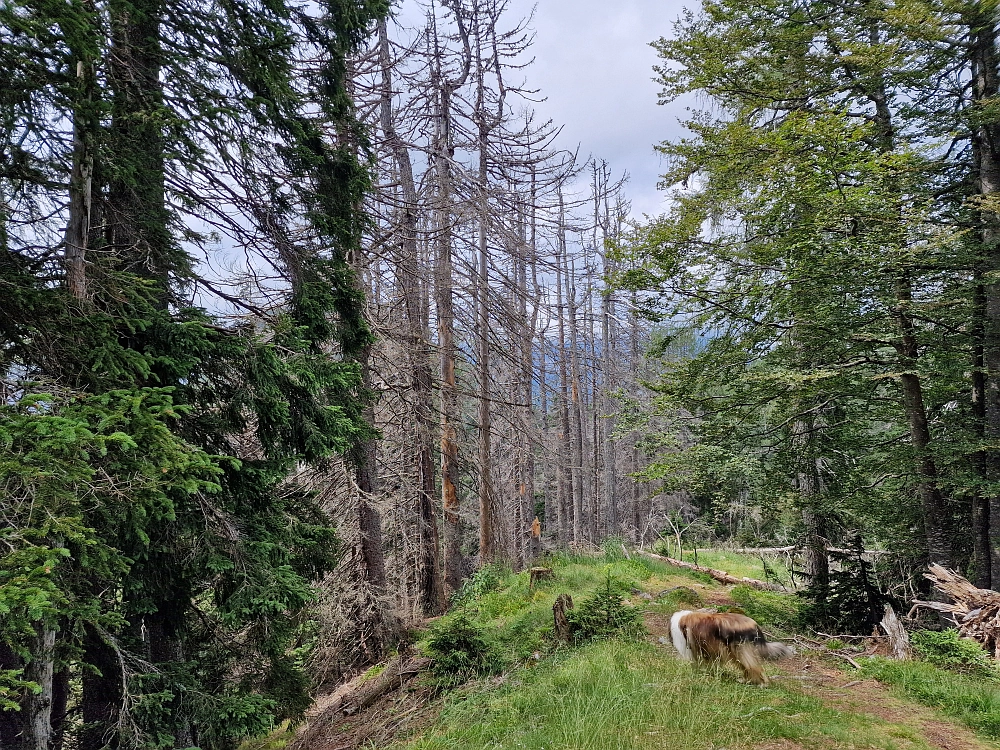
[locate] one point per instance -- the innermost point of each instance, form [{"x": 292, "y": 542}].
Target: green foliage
[
  {"x": 851, "y": 603},
  {"x": 604, "y": 615},
  {"x": 768, "y": 608},
  {"x": 480, "y": 583},
  {"x": 460, "y": 649},
  {"x": 681, "y": 597},
  {"x": 613, "y": 548},
  {"x": 970, "y": 699},
  {"x": 948, "y": 650}
]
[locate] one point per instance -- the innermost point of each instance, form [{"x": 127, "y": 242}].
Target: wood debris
[{"x": 975, "y": 611}]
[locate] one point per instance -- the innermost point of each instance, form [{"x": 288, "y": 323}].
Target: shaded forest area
[{"x": 306, "y": 315}]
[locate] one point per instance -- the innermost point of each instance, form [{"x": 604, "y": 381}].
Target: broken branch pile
[{"x": 976, "y": 611}]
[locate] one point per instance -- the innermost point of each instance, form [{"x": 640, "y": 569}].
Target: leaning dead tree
[{"x": 975, "y": 611}]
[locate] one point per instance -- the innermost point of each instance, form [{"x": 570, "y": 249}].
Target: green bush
[
  {"x": 682, "y": 596},
  {"x": 603, "y": 615},
  {"x": 480, "y": 583},
  {"x": 948, "y": 650},
  {"x": 460, "y": 650},
  {"x": 614, "y": 548},
  {"x": 767, "y": 607}
]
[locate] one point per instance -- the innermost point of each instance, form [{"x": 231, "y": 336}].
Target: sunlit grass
[
  {"x": 766, "y": 568},
  {"x": 634, "y": 696},
  {"x": 972, "y": 700}
]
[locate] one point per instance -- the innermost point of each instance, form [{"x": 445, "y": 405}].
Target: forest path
[{"x": 815, "y": 675}]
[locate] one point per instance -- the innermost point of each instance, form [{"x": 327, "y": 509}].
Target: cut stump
[
  {"x": 564, "y": 602},
  {"x": 539, "y": 574}
]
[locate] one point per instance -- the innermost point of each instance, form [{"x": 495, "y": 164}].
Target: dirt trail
[{"x": 812, "y": 672}]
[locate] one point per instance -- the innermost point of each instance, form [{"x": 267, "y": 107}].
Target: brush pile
[{"x": 976, "y": 611}]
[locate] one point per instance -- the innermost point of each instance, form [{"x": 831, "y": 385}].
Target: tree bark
[
  {"x": 430, "y": 584},
  {"x": 443, "y": 155},
  {"x": 985, "y": 88}
]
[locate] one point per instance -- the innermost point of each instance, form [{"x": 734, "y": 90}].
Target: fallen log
[
  {"x": 358, "y": 697},
  {"x": 720, "y": 575},
  {"x": 797, "y": 548},
  {"x": 975, "y": 611}
]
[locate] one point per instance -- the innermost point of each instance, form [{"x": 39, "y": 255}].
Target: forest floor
[{"x": 636, "y": 695}]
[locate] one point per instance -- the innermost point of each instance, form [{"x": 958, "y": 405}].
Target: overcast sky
[{"x": 594, "y": 65}]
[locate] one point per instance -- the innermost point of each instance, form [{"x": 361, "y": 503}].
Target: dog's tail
[{"x": 775, "y": 650}]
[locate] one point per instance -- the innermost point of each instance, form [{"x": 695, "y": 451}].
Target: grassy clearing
[
  {"x": 973, "y": 700},
  {"x": 613, "y": 695},
  {"x": 628, "y": 695},
  {"x": 767, "y": 568}
]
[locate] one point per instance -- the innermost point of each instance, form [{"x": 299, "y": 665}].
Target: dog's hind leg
[{"x": 745, "y": 654}]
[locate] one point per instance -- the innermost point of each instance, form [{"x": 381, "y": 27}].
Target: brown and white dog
[{"x": 710, "y": 636}]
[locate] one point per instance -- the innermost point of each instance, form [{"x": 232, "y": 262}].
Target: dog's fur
[{"x": 709, "y": 636}]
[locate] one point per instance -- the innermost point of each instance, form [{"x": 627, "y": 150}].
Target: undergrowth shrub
[
  {"x": 460, "y": 650},
  {"x": 681, "y": 597},
  {"x": 948, "y": 650},
  {"x": 630, "y": 571},
  {"x": 768, "y": 607},
  {"x": 603, "y": 615},
  {"x": 614, "y": 548},
  {"x": 480, "y": 583},
  {"x": 851, "y": 602}
]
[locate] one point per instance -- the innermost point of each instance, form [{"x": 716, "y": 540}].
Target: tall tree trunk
[
  {"x": 85, "y": 127},
  {"x": 985, "y": 89},
  {"x": 444, "y": 153},
  {"x": 567, "y": 523},
  {"x": 103, "y": 694},
  {"x": 577, "y": 453},
  {"x": 430, "y": 585},
  {"x": 982, "y": 552}
]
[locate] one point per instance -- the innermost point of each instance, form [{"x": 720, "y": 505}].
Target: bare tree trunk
[
  {"x": 444, "y": 301},
  {"x": 430, "y": 584},
  {"x": 85, "y": 127},
  {"x": 935, "y": 510},
  {"x": 577, "y": 453},
  {"x": 567, "y": 495}
]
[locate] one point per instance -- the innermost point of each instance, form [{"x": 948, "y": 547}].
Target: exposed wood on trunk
[
  {"x": 899, "y": 641},
  {"x": 444, "y": 153}
]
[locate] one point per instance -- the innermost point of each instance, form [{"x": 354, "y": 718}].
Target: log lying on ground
[
  {"x": 720, "y": 575},
  {"x": 396, "y": 673},
  {"x": 976, "y": 611},
  {"x": 798, "y": 548}
]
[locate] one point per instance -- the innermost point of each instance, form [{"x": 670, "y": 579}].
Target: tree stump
[
  {"x": 563, "y": 603},
  {"x": 539, "y": 574},
  {"x": 899, "y": 641}
]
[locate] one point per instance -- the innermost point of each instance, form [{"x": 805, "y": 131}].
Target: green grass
[
  {"x": 614, "y": 695},
  {"x": 742, "y": 566},
  {"x": 972, "y": 700}
]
